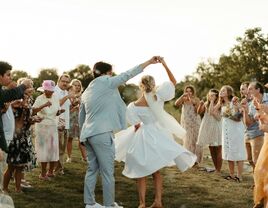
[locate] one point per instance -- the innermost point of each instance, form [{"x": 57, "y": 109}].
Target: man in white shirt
[{"x": 64, "y": 118}]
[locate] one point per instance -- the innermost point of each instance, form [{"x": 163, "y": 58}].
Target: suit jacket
[
  {"x": 7, "y": 96},
  {"x": 102, "y": 109}
]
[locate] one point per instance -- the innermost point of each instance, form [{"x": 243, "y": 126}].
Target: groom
[{"x": 102, "y": 112}]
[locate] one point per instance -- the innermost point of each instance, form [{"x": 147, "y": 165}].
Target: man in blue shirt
[{"x": 102, "y": 112}]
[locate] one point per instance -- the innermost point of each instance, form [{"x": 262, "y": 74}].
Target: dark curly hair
[{"x": 4, "y": 67}]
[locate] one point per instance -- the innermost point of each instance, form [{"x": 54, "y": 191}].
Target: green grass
[{"x": 192, "y": 189}]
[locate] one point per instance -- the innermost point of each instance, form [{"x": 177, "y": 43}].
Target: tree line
[{"x": 247, "y": 61}]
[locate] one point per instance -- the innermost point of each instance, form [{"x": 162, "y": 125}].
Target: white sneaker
[
  {"x": 115, "y": 206},
  {"x": 69, "y": 160},
  {"x": 96, "y": 205}
]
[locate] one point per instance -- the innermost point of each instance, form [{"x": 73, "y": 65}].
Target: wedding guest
[
  {"x": 210, "y": 128},
  {"x": 246, "y": 99},
  {"x": 74, "y": 132},
  {"x": 255, "y": 135},
  {"x": 47, "y": 107},
  {"x": 190, "y": 120},
  {"x": 9, "y": 95},
  {"x": 233, "y": 145},
  {"x": 64, "y": 118},
  {"x": 20, "y": 149}
]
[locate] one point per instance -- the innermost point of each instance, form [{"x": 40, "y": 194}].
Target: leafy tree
[
  {"x": 46, "y": 74},
  {"x": 16, "y": 74},
  {"x": 247, "y": 61},
  {"x": 129, "y": 92},
  {"x": 83, "y": 73}
]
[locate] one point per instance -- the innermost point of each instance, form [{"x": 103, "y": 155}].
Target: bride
[{"x": 148, "y": 145}]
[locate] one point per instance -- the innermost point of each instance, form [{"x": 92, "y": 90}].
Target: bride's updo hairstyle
[{"x": 147, "y": 83}]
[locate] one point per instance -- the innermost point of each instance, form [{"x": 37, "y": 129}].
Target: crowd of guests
[
  {"x": 49, "y": 114},
  {"x": 232, "y": 127}
]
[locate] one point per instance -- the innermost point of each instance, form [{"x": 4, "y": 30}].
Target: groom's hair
[{"x": 101, "y": 68}]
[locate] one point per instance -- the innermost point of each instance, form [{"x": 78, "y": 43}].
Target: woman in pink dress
[{"x": 47, "y": 107}]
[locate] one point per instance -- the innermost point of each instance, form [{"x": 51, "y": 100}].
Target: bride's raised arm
[{"x": 169, "y": 73}]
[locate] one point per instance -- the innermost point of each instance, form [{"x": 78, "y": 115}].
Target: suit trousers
[{"x": 101, "y": 154}]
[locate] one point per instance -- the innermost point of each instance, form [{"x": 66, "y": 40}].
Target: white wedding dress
[{"x": 152, "y": 146}]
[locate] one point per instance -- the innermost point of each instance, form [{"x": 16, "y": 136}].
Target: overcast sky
[{"x": 61, "y": 34}]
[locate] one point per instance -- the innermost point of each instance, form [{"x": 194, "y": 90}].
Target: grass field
[{"x": 191, "y": 189}]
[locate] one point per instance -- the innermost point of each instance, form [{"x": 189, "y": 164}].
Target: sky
[{"x": 62, "y": 34}]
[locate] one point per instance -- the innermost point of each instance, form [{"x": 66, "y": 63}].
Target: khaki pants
[
  {"x": 63, "y": 137},
  {"x": 256, "y": 145}
]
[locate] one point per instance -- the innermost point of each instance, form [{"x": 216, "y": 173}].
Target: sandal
[
  {"x": 44, "y": 178},
  {"x": 237, "y": 179},
  {"x": 202, "y": 169},
  {"x": 50, "y": 175},
  {"x": 228, "y": 178}
]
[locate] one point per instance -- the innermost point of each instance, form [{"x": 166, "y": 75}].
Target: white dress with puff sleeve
[{"x": 152, "y": 146}]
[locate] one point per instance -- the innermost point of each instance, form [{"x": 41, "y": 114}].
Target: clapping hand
[
  {"x": 202, "y": 102},
  {"x": 60, "y": 112},
  {"x": 244, "y": 105},
  {"x": 37, "y": 119},
  {"x": 186, "y": 97},
  {"x": 235, "y": 101},
  {"x": 256, "y": 103}
]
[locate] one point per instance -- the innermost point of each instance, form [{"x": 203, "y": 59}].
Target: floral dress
[
  {"x": 20, "y": 150},
  {"x": 74, "y": 127},
  {"x": 191, "y": 121}
]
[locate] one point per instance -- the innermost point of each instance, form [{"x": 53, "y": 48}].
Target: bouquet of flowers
[{"x": 231, "y": 113}]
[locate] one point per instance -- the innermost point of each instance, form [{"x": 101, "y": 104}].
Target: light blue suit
[{"x": 102, "y": 112}]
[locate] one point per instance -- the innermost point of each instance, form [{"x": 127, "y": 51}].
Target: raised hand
[
  {"x": 256, "y": 103},
  {"x": 186, "y": 97},
  {"x": 263, "y": 127},
  {"x": 155, "y": 60},
  {"x": 235, "y": 100},
  {"x": 161, "y": 60}
]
